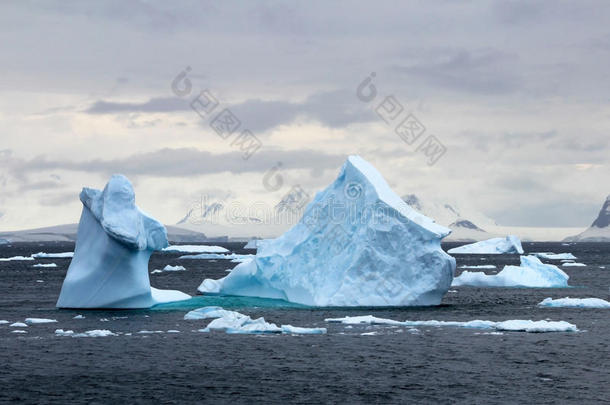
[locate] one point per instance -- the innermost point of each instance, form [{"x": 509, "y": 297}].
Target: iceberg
[
  {"x": 555, "y": 256},
  {"x": 238, "y": 323},
  {"x": 114, "y": 243},
  {"x": 574, "y": 303},
  {"x": 357, "y": 244},
  {"x": 509, "y": 245},
  {"x": 532, "y": 273},
  {"x": 514, "y": 325}
]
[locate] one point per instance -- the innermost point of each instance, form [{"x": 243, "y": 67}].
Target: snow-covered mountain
[
  {"x": 462, "y": 224},
  {"x": 67, "y": 233},
  {"x": 599, "y": 231}
]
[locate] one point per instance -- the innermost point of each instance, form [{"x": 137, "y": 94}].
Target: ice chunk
[
  {"x": 531, "y": 273},
  {"x": 555, "y": 256},
  {"x": 169, "y": 268},
  {"x": 3, "y": 322},
  {"x": 114, "y": 243},
  {"x": 235, "y": 322},
  {"x": 515, "y": 325},
  {"x": 357, "y": 244},
  {"x": 572, "y": 264},
  {"x": 63, "y": 255},
  {"x": 536, "y": 326},
  {"x": 32, "y": 321},
  {"x": 79, "y": 317},
  {"x": 45, "y": 265},
  {"x": 19, "y": 331},
  {"x": 484, "y": 266},
  {"x": 18, "y": 325},
  {"x": 89, "y": 333},
  {"x": 575, "y": 303},
  {"x": 195, "y": 249},
  {"x": 510, "y": 244},
  {"x": 15, "y": 258}
]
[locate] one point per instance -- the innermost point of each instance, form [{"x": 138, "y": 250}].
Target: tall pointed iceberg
[
  {"x": 357, "y": 244},
  {"x": 114, "y": 243}
]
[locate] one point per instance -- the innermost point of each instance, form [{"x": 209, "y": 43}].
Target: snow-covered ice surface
[
  {"x": 195, "y": 249},
  {"x": 555, "y": 256},
  {"x": 515, "y": 325},
  {"x": 531, "y": 273},
  {"x": 357, "y": 244},
  {"x": 238, "y": 323},
  {"x": 114, "y": 243},
  {"x": 509, "y": 245},
  {"x": 574, "y": 303}
]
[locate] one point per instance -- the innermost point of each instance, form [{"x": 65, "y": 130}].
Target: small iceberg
[
  {"x": 195, "y": 249},
  {"x": 574, "y": 303},
  {"x": 357, "y": 244},
  {"x": 18, "y": 325},
  {"x": 514, "y": 325},
  {"x": 237, "y": 323},
  {"x": 113, "y": 246},
  {"x": 483, "y": 266},
  {"x": 555, "y": 256},
  {"x": 509, "y": 245},
  {"x": 532, "y": 273},
  {"x": 48, "y": 265}
]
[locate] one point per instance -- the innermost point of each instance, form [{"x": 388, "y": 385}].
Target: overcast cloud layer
[{"x": 516, "y": 91}]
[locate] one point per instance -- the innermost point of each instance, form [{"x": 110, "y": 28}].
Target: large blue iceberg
[
  {"x": 357, "y": 244},
  {"x": 114, "y": 243}
]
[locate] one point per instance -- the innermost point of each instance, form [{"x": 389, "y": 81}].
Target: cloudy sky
[{"x": 517, "y": 93}]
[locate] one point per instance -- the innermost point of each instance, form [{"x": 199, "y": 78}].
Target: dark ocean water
[{"x": 435, "y": 365}]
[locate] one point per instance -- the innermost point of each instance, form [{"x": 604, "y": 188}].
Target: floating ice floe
[
  {"x": 509, "y": 245},
  {"x": 19, "y": 331},
  {"x": 169, "y": 268},
  {"x": 63, "y": 255},
  {"x": 555, "y": 256},
  {"x": 89, "y": 333},
  {"x": 574, "y": 303},
  {"x": 256, "y": 243},
  {"x": 3, "y": 322},
  {"x": 357, "y": 244},
  {"x": 45, "y": 265},
  {"x": 532, "y": 273},
  {"x": 515, "y": 325},
  {"x": 233, "y": 257},
  {"x": 114, "y": 243},
  {"x": 195, "y": 249},
  {"x": 573, "y": 264},
  {"x": 15, "y": 258},
  {"x": 33, "y": 321},
  {"x": 483, "y": 266},
  {"x": 79, "y": 317},
  {"x": 18, "y": 325},
  {"x": 235, "y": 322}
]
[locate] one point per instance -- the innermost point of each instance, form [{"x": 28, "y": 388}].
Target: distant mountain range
[
  {"x": 462, "y": 225},
  {"x": 67, "y": 233},
  {"x": 599, "y": 231}
]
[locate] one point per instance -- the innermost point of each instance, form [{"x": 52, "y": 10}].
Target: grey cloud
[
  {"x": 552, "y": 213},
  {"x": 482, "y": 72},
  {"x": 334, "y": 109},
  {"x": 182, "y": 163}
]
